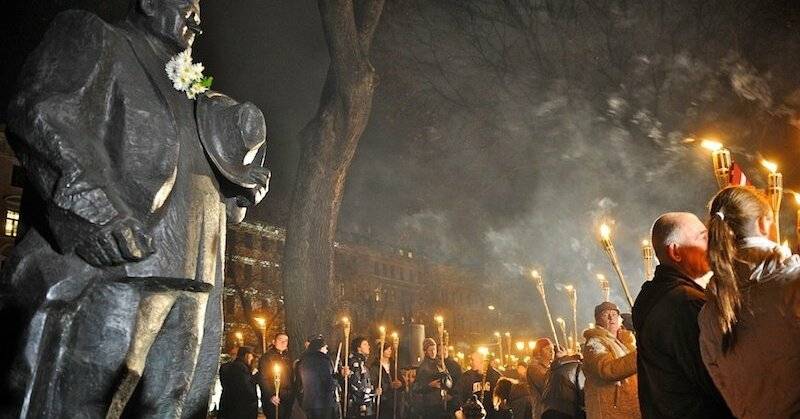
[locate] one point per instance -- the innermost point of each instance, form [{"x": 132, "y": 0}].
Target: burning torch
[
  {"x": 721, "y": 159},
  {"x": 648, "y": 255},
  {"x": 537, "y": 278},
  {"x": 382, "y": 331},
  {"x": 276, "y": 370},
  {"x": 346, "y": 330},
  {"x": 608, "y": 247},
  {"x": 775, "y": 194}
]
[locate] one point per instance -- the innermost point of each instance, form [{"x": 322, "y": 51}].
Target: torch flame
[
  {"x": 605, "y": 231},
  {"x": 645, "y": 243},
  {"x": 382, "y": 330},
  {"x": 276, "y": 369},
  {"x": 796, "y": 197},
  {"x": 560, "y": 321},
  {"x": 395, "y": 336},
  {"x": 439, "y": 319},
  {"x": 772, "y": 167},
  {"x": 345, "y": 320},
  {"x": 569, "y": 288},
  {"x": 601, "y": 277},
  {"x": 711, "y": 145},
  {"x": 535, "y": 274}
]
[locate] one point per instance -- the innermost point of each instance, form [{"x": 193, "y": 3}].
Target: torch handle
[
  {"x": 550, "y": 319},
  {"x": 612, "y": 254}
]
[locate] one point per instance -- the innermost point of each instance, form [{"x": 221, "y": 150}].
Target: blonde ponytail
[{"x": 734, "y": 212}]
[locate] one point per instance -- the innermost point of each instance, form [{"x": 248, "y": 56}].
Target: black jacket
[
  {"x": 563, "y": 389},
  {"x": 239, "y": 399},
  {"x": 673, "y": 381},
  {"x": 389, "y": 394},
  {"x": 315, "y": 371},
  {"x": 266, "y": 376},
  {"x": 470, "y": 384}
]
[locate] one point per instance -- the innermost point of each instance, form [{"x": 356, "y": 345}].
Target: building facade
[
  {"x": 12, "y": 179},
  {"x": 374, "y": 284}
]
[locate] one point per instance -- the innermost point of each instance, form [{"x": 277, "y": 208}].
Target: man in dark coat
[
  {"x": 239, "y": 399},
  {"x": 429, "y": 383},
  {"x": 121, "y": 263},
  {"x": 673, "y": 381},
  {"x": 455, "y": 371},
  {"x": 480, "y": 380},
  {"x": 318, "y": 379},
  {"x": 562, "y": 397},
  {"x": 277, "y": 356}
]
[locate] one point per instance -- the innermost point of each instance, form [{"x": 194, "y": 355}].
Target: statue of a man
[{"x": 112, "y": 297}]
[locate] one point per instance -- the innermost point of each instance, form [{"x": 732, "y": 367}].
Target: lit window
[{"x": 12, "y": 221}]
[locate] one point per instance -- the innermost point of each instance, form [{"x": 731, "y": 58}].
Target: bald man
[{"x": 673, "y": 382}]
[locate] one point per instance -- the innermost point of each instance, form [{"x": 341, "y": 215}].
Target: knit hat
[
  {"x": 242, "y": 351},
  {"x": 603, "y": 307},
  {"x": 427, "y": 343},
  {"x": 316, "y": 342}
]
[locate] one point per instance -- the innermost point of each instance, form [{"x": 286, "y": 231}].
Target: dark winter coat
[
  {"x": 473, "y": 381},
  {"x": 266, "y": 377},
  {"x": 239, "y": 399},
  {"x": 389, "y": 394},
  {"x": 455, "y": 373},
  {"x": 563, "y": 389},
  {"x": 673, "y": 382},
  {"x": 315, "y": 371}
]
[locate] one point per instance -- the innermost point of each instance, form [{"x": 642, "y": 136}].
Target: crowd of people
[{"x": 691, "y": 351}]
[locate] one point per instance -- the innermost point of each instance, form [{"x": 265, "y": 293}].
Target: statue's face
[{"x": 174, "y": 21}]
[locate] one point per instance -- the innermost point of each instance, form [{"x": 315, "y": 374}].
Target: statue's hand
[
  {"x": 121, "y": 241},
  {"x": 260, "y": 176}
]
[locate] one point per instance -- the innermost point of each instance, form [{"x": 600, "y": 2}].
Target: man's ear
[
  {"x": 761, "y": 224},
  {"x": 674, "y": 254},
  {"x": 147, "y": 7}
]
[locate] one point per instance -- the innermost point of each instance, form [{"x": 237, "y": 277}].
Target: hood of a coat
[
  {"x": 597, "y": 332},
  {"x": 759, "y": 259}
]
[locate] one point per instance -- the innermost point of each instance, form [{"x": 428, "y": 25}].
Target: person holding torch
[
  {"x": 383, "y": 371},
  {"x": 277, "y": 359}
]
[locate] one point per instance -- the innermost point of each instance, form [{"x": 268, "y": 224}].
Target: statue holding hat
[{"x": 135, "y": 167}]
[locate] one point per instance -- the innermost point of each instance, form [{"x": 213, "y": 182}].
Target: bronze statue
[{"x": 114, "y": 290}]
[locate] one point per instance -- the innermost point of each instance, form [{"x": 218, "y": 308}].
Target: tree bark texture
[{"x": 329, "y": 142}]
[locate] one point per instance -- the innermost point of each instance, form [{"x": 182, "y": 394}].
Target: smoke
[{"x": 514, "y": 146}]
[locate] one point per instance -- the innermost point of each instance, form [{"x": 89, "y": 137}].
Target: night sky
[{"x": 503, "y": 132}]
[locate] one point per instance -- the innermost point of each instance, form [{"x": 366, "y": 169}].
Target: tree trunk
[{"x": 329, "y": 142}]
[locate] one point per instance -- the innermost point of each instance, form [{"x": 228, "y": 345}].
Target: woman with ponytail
[{"x": 750, "y": 325}]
